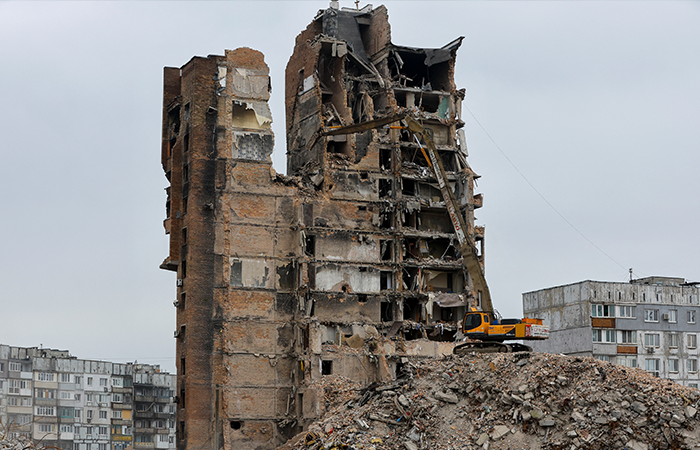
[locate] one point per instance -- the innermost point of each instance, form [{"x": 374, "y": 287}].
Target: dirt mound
[{"x": 507, "y": 401}]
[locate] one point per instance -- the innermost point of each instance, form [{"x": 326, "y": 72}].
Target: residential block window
[
  {"x": 76, "y": 397},
  {"x": 673, "y": 315},
  {"x": 117, "y": 414},
  {"x": 628, "y": 312},
  {"x": 691, "y": 316},
  {"x": 604, "y": 336},
  {"x": 627, "y": 361},
  {"x": 692, "y": 341},
  {"x": 78, "y": 379},
  {"x": 45, "y": 411},
  {"x": 66, "y": 428},
  {"x": 117, "y": 398},
  {"x": 673, "y": 365},
  {"x": 89, "y": 414},
  {"x": 46, "y": 428},
  {"x": 673, "y": 340},
  {"x": 651, "y": 339},
  {"x": 652, "y": 365},
  {"x": 89, "y": 381},
  {"x": 45, "y": 393},
  {"x": 116, "y": 381},
  {"x": 651, "y": 315},
  {"x": 628, "y": 337},
  {"x": 65, "y": 395},
  {"x": 692, "y": 365},
  {"x": 15, "y": 367},
  {"x": 103, "y": 415},
  {"x": 605, "y": 358},
  {"x": 2, "y": 367},
  {"x": 103, "y": 381},
  {"x": 65, "y": 378},
  {"x": 103, "y": 430},
  {"x": 16, "y": 385},
  {"x": 88, "y": 397},
  {"x": 598, "y": 310}
]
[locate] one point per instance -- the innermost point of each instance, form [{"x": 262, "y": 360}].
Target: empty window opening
[
  {"x": 410, "y": 220},
  {"x": 449, "y": 161},
  {"x": 185, "y": 173},
  {"x": 362, "y": 208},
  {"x": 338, "y": 147},
  {"x": 182, "y": 399},
  {"x": 312, "y": 276},
  {"x": 364, "y": 176},
  {"x": 236, "y": 424},
  {"x": 183, "y": 270},
  {"x": 387, "y": 250},
  {"x": 184, "y": 205},
  {"x": 386, "y": 220},
  {"x": 385, "y": 280},
  {"x": 412, "y": 310},
  {"x": 362, "y": 298},
  {"x": 181, "y": 431},
  {"x": 310, "y": 245},
  {"x": 412, "y": 153},
  {"x": 183, "y": 300},
  {"x": 184, "y": 236},
  {"x": 186, "y": 114},
  {"x": 236, "y": 278},
  {"x": 408, "y": 187},
  {"x": 186, "y": 147},
  {"x": 385, "y": 159},
  {"x": 385, "y": 190},
  {"x": 410, "y": 279},
  {"x": 326, "y": 367},
  {"x": 183, "y": 366},
  {"x": 363, "y": 269},
  {"x": 387, "y": 312}
]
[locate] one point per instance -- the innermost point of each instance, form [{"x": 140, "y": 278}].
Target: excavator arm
[{"x": 424, "y": 139}]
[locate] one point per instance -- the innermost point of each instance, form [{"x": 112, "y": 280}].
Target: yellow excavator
[{"x": 484, "y": 330}]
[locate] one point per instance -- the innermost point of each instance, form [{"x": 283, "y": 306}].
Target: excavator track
[{"x": 489, "y": 347}]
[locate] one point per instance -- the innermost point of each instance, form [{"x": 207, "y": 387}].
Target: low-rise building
[{"x": 651, "y": 323}]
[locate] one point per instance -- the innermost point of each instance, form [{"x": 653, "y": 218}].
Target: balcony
[
  {"x": 121, "y": 406},
  {"x": 143, "y": 414},
  {"x": 164, "y": 399},
  {"x": 143, "y": 445},
  {"x": 144, "y": 398},
  {"x": 144, "y": 430},
  {"x": 603, "y": 322},
  {"x": 164, "y": 415}
]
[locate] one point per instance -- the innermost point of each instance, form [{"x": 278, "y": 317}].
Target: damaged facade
[{"x": 275, "y": 272}]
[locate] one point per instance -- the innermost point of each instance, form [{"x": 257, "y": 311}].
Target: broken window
[
  {"x": 338, "y": 147},
  {"x": 236, "y": 273},
  {"x": 387, "y": 311},
  {"x": 410, "y": 278},
  {"x": 183, "y": 300},
  {"x": 385, "y": 188},
  {"x": 310, "y": 245},
  {"x": 183, "y": 366},
  {"x": 185, "y": 173},
  {"x": 408, "y": 187},
  {"x": 326, "y": 367},
  {"x": 183, "y": 270},
  {"x": 386, "y": 250},
  {"x": 411, "y": 309},
  {"x": 385, "y": 280},
  {"x": 184, "y": 236},
  {"x": 287, "y": 276},
  {"x": 386, "y": 220},
  {"x": 236, "y": 424},
  {"x": 413, "y": 154},
  {"x": 361, "y": 298},
  {"x": 385, "y": 158}
]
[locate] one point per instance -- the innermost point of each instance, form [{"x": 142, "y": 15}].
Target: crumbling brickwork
[{"x": 275, "y": 272}]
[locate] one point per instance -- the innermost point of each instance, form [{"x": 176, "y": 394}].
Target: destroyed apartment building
[{"x": 355, "y": 242}]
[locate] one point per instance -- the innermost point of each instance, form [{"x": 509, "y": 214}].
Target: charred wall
[{"x": 282, "y": 278}]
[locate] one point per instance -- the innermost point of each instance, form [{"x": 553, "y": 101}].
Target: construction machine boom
[{"x": 483, "y": 325}]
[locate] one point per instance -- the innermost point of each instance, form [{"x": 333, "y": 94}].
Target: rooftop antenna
[{"x": 357, "y": 5}]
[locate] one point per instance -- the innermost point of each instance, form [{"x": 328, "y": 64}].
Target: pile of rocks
[
  {"x": 507, "y": 401},
  {"x": 19, "y": 442}
]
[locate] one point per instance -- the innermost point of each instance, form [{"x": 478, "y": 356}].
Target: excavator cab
[{"x": 475, "y": 325}]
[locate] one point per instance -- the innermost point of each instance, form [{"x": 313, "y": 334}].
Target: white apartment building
[
  {"x": 650, "y": 323},
  {"x": 75, "y": 404}
]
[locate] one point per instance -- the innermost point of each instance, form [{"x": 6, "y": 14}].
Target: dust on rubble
[{"x": 506, "y": 401}]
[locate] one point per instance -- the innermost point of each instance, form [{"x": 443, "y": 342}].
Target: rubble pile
[
  {"x": 19, "y": 442},
  {"x": 507, "y": 401}
]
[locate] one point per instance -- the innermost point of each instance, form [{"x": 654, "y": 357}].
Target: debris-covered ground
[{"x": 507, "y": 401}]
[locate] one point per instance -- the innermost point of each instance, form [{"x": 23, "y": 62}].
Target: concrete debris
[{"x": 506, "y": 401}]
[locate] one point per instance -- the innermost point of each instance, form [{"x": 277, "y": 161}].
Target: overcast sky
[{"x": 597, "y": 104}]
